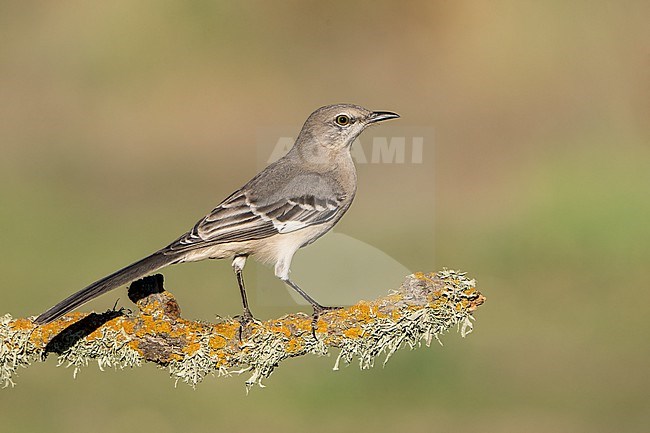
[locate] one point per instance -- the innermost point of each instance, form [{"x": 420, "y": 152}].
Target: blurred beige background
[{"x": 121, "y": 123}]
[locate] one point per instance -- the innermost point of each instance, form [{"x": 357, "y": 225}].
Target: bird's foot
[
  {"x": 244, "y": 321},
  {"x": 318, "y": 311}
]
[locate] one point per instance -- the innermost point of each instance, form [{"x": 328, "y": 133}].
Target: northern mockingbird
[{"x": 288, "y": 205}]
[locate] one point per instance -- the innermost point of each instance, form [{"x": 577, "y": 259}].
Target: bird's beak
[{"x": 380, "y": 116}]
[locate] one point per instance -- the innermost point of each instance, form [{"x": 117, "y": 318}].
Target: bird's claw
[
  {"x": 244, "y": 320},
  {"x": 318, "y": 311}
]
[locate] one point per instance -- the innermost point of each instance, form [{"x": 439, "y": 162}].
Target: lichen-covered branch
[{"x": 422, "y": 308}]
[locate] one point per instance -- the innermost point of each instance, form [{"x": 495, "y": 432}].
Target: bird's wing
[{"x": 241, "y": 218}]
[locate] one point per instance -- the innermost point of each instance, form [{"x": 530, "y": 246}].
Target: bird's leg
[
  {"x": 248, "y": 316},
  {"x": 238, "y": 266},
  {"x": 318, "y": 308}
]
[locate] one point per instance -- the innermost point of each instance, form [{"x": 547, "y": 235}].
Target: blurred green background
[{"x": 121, "y": 123}]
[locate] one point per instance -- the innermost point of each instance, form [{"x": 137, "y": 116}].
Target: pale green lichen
[
  {"x": 193, "y": 368},
  {"x": 110, "y": 349},
  {"x": 15, "y": 350},
  {"x": 268, "y": 349}
]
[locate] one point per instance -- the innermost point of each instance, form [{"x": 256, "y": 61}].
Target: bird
[{"x": 288, "y": 205}]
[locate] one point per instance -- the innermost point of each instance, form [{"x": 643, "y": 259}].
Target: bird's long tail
[{"x": 125, "y": 275}]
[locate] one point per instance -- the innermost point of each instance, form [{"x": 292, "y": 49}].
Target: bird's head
[{"x": 335, "y": 127}]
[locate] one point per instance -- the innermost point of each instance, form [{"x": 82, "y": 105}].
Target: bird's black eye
[{"x": 342, "y": 120}]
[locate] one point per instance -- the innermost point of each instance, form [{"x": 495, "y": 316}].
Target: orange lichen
[
  {"x": 191, "y": 348},
  {"x": 149, "y": 325},
  {"x": 294, "y": 345},
  {"x": 128, "y": 326},
  {"x": 424, "y": 277},
  {"x": 22, "y": 324},
  {"x": 363, "y": 312},
  {"x": 281, "y": 328},
  {"x": 464, "y": 303},
  {"x": 321, "y": 326},
  {"x": 133, "y": 344},
  {"x": 355, "y": 332},
  {"x": 305, "y": 324},
  {"x": 97, "y": 333},
  {"x": 228, "y": 330},
  {"x": 217, "y": 342}
]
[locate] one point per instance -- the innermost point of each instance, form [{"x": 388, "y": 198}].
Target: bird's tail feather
[{"x": 125, "y": 275}]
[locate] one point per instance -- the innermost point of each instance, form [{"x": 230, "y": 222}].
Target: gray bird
[{"x": 288, "y": 205}]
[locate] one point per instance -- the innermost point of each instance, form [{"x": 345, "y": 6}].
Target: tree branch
[{"x": 422, "y": 308}]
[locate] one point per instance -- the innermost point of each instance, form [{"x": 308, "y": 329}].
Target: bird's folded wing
[{"x": 241, "y": 219}]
